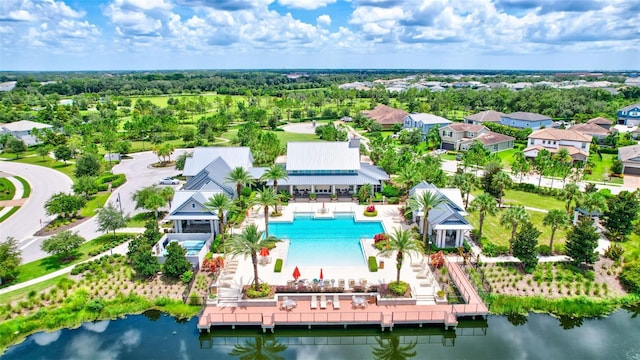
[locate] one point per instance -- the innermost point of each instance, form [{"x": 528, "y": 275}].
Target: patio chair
[
  {"x": 341, "y": 283},
  {"x": 336, "y": 302},
  {"x": 323, "y": 301},
  {"x": 352, "y": 283},
  {"x": 314, "y": 302},
  {"x": 363, "y": 282}
]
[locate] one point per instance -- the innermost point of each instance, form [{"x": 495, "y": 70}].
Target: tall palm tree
[
  {"x": 402, "y": 242},
  {"x": 167, "y": 193},
  {"x": 555, "y": 219},
  {"x": 511, "y": 218},
  {"x": 240, "y": 177},
  {"x": 261, "y": 349},
  {"x": 501, "y": 181},
  {"x": 274, "y": 173},
  {"x": 267, "y": 197},
  {"x": 407, "y": 177},
  {"x": 391, "y": 349},
  {"x": 425, "y": 201},
  {"x": 485, "y": 204},
  {"x": 571, "y": 192},
  {"x": 221, "y": 204},
  {"x": 249, "y": 243},
  {"x": 466, "y": 182},
  {"x": 593, "y": 202}
]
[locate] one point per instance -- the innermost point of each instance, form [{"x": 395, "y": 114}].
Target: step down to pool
[{"x": 323, "y": 213}]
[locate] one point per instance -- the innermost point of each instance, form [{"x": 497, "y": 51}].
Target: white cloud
[
  {"x": 306, "y": 4},
  {"x": 324, "y": 20},
  {"x": 143, "y": 4}
]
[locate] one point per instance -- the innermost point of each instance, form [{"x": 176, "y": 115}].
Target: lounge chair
[
  {"x": 363, "y": 282},
  {"x": 352, "y": 283},
  {"x": 336, "y": 302},
  {"x": 323, "y": 301},
  {"x": 314, "y": 302},
  {"x": 341, "y": 283}
]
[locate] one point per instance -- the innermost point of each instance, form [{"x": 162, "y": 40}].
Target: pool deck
[{"x": 229, "y": 309}]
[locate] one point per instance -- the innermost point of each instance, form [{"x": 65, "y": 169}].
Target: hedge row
[{"x": 114, "y": 179}]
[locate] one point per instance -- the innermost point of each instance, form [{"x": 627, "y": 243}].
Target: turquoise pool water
[
  {"x": 193, "y": 247},
  {"x": 325, "y": 242}
]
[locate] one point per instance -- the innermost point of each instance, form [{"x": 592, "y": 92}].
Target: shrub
[
  {"x": 370, "y": 208},
  {"x": 215, "y": 244},
  {"x": 371, "y": 213},
  {"x": 490, "y": 249},
  {"x": 186, "y": 276},
  {"x": 380, "y": 237},
  {"x": 630, "y": 277},
  {"x": 544, "y": 250},
  {"x": 381, "y": 245},
  {"x": 389, "y": 191},
  {"x": 437, "y": 259},
  {"x": 264, "y": 291},
  {"x": 278, "y": 266},
  {"x": 95, "y": 305},
  {"x": 614, "y": 251},
  {"x": 398, "y": 288},
  {"x": 393, "y": 200},
  {"x": 373, "y": 264},
  {"x": 194, "y": 299}
]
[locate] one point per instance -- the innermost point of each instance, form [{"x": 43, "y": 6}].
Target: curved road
[{"x": 46, "y": 182}]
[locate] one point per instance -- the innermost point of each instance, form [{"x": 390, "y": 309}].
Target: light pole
[
  {"x": 119, "y": 202},
  {"x": 429, "y": 251}
]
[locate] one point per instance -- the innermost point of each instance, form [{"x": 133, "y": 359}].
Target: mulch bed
[{"x": 47, "y": 232}]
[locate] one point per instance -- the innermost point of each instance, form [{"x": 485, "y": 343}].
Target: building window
[{"x": 584, "y": 146}]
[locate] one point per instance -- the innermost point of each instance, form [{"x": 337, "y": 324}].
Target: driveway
[{"x": 632, "y": 182}]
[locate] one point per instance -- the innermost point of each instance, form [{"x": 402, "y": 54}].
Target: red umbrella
[
  {"x": 296, "y": 273},
  {"x": 264, "y": 251},
  {"x": 321, "y": 276}
]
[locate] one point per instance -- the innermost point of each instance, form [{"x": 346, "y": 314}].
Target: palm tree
[
  {"x": 486, "y": 205},
  {"x": 220, "y": 203},
  {"x": 425, "y": 201},
  {"x": 262, "y": 349},
  {"x": 593, "y": 203},
  {"x": 407, "y": 177},
  {"x": 391, "y": 349},
  {"x": 500, "y": 181},
  {"x": 267, "y": 197},
  {"x": 511, "y": 218},
  {"x": 555, "y": 219},
  {"x": 274, "y": 173},
  {"x": 402, "y": 242},
  {"x": 571, "y": 191},
  {"x": 520, "y": 165},
  {"x": 167, "y": 193},
  {"x": 466, "y": 182},
  {"x": 240, "y": 177},
  {"x": 249, "y": 243}
]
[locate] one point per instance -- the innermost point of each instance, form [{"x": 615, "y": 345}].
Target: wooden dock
[{"x": 385, "y": 316}]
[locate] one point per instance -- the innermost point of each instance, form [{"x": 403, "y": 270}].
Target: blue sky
[{"x": 289, "y": 34}]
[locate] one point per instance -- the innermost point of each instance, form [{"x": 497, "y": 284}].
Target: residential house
[
  {"x": 446, "y": 224},
  {"x": 460, "y": 136},
  {"x": 424, "y": 122},
  {"x": 484, "y": 117},
  {"x": 591, "y": 129},
  {"x": 629, "y": 115},
  {"x": 386, "y": 116},
  {"x": 328, "y": 168},
  {"x": 23, "y": 130},
  {"x": 602, "y": 122},
  {"x": 630, "y": 157},
  {"x": 555, "y": 139},
  {"x": 526, "y": 120}
]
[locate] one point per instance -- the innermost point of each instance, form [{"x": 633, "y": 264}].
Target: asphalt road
[{"x": 45, "y": 182}]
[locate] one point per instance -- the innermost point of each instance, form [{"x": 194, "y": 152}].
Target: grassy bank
[
  {"x": 78, "y": 309},
  {"x": 578, "y": 306}
]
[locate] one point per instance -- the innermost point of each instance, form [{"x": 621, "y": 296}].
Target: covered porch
[{"x": 194, "y": 223}]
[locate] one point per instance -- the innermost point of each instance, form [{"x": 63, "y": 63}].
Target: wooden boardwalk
[{"x": 385, "y": 316}]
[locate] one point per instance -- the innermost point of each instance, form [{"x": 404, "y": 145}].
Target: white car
[{"x": 169, "y": 181}]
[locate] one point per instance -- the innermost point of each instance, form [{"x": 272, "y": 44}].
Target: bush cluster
[
  {"x": 262, "y": 292},
  {"x": 114, "y": 179},
  {"x": 278, "y": 266},
  {"x": 630, "y": 277},
  {"x": 373, "y": 264},
  {"x": 398, "y": 288},
  {"x": 120, "y": 238},
  {"x": 490, "y": 249}
]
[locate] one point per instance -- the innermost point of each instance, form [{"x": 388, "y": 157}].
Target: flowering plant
[{"x": 371, "y": 208}]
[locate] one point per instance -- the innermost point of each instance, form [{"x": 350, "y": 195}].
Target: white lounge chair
[
  {"x": 341, "y": 283},
  {"x": 314, "y": 302},
  {"x": 323, "y": 301},
  {"x": 336, "y": 302}
]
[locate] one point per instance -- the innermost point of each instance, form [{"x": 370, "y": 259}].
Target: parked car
[
  {"x": 459, "y": 157},
  {"x": 169, "y": 181}
]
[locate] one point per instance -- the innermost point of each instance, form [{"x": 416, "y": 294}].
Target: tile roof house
[
  {"x": 446, "y": 225},
  {"x": 592, "y": 129},
  {"x": 555, "y": 139},
  {"x": 629, "y": 115},
  {"x": 630, "y": 157},
  {"x": 460, "y": 136},
  {"x": 424, "y": 122},
  {"x": 483, "y": 117},
  {"x": 22, "y": 130},
  {"x": 526, "y": 120},
  {"x": 602, "y": 122},
  {"x": 385, "y": 115}
]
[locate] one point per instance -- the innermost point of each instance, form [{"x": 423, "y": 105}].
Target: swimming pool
[
  {"x": 193, "y": 247},
  {"x": 325, "y": 242}
]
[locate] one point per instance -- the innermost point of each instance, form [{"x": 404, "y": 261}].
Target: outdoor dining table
[
  {"x": 359, "y": 301},
  {"x": 288, "y": 304}
]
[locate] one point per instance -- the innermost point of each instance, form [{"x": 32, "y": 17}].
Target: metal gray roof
[
  {"x": 203, "y": 156},
  {"x": 212, "y": 177},
  {"x": 425, "y": 118},
  {"x": 322, "y": 156},
  {"x": 326, "y": 180}
]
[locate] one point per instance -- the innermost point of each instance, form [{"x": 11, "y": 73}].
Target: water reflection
[
  {"x": 390, "y": 348},
  {"x": 259, "y": 348},
  {"x": 569, "y": 322},
  {"x": 152, "y": 315},
  {"x": 46, "y": 338},
  {"x": 517, "y": 319}
]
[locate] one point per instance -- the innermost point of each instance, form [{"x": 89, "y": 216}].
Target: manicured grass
[
  {"x": 601, "y": 168},
  {"x": 26, "y": 186},
  {"x": 139, "y": 220},
  {"x": 68, "y": 169},
  {"x": 97, "y": 202},
  {"x": 6, "y": 155},
  {"x": 516, "y": 197},
  {"x": 22, "y": 293},
  {"x": 506, "y": 157},
  {"x": 11, "y": 212},
  {"x": 7, "y": 189},
  {"x": 499, "y": 235},
  {"x": 35, "y": 269},
  {"x": 286, "y": 137},
  {"x": 446, "y": 156}
]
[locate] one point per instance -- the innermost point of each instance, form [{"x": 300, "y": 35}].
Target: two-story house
[
  {"x": 424, "y": 122},
  {"x": 489, "y": 116},
  {"x": 576, "y": 143},
  {"x": 526, "y": 120},
  {"x": 629, "y": 115},
  {"x": 460, "y": 136}
]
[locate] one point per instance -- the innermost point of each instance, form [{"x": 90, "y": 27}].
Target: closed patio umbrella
[
  {"x": 264, "y": 252},
  {"x": 296, "y": 273},
  {"x": 321, "y": 276}
]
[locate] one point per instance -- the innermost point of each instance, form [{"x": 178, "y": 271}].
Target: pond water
[{"x": 157, "y": 336}]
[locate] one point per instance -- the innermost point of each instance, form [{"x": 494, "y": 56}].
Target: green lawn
[
  {"x": 506, "y": 157},
  {"x": 21, "y": 294},
  {"x": 601, "y": 168},
  {"x": 96, "y": 202},
  {"x": 26, "y": 186},
  {"x": 516, "y": 197},
  {"x": 500, "y": 235},
  {"x": 7, "y": 189},
  {"x": 67, "y": 169}
]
